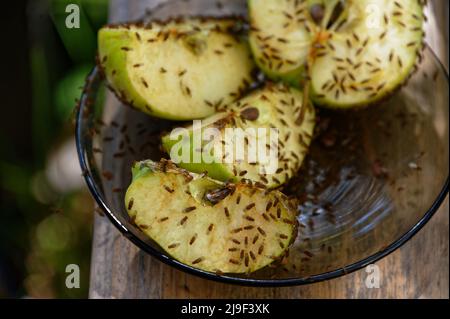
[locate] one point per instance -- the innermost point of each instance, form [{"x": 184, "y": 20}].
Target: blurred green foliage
[
  {"x": 69, "y": 89},
  {"x": 49, "y": 228},
  {"x": 79, "y": 42},
  {"x": 63, "y": 237}
]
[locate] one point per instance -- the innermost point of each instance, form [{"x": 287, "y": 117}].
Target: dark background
[
  {"x": 15, "y": 134},
  {"x": 45, "y": 220}
]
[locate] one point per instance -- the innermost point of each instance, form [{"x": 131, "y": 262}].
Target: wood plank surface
[{"x": 420, "y": 269}]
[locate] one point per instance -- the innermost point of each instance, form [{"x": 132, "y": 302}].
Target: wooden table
[{"x": 420, "y": 269}]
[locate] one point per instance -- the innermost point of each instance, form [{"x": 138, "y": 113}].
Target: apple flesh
[
  {"x": 353, "y": 53},
  {"x": 262, "y": 138},
  {"x": 180, "y": 70}
]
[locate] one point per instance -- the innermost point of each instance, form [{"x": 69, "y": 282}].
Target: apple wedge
[
  {"x": 354, "y": 53},
  {"x": 179, "y": 70},
  {"x": 226, "y": 228},
  {"x": 262, "y": 138}
]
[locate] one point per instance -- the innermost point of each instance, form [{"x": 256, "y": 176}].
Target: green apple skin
[
  {"x": 215, "y": 170},
  {"x": 181, "y": 77},
  {"x": 173, "y": 207},
  {"x": 265, "y": 100},
  {"x": 110, "y": 42}
]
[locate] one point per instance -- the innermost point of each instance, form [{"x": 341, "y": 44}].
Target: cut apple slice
[
  {"x": 180, "y": 70},
  {"x": 354, "y": 53},
  {"x": 280, "y": 44},
  {"x": 209, "y": 225},
  {"x": 262, "y": 138}
]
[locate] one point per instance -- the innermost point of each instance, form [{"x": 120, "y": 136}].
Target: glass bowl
[{"x": 372, "y": 179}]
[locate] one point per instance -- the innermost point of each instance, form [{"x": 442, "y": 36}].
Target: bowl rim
[{"x": 223, "y": 278}]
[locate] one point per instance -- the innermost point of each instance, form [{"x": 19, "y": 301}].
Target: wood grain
[
  {"x": 120, "y": 270},
  {"x": 417, "y": 270}
]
